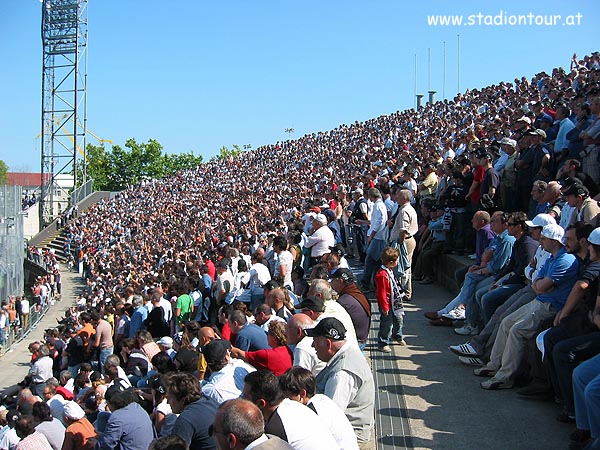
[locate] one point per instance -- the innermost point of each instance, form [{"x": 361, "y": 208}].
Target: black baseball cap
[
  {"x": 344, "y": 274},
  {"x": 329, "y": 327},
  {"x": 313, "y": 303}
]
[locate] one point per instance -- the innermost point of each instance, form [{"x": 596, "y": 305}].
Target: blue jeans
[
  {"x": 103, "y": 355},
  {"x": 372, "y": 261},
  {"x": 586, "y": 390},
  {"x": 490, "y": 301},
  {"x": 390, "y": 326},
  {"x": 466, "y": 292},
  {"x": 472, "y": 309}
]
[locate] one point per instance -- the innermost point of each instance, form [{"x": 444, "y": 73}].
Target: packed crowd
[{"x": 232, "y": 280}]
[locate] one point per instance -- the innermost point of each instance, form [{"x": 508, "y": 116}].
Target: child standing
[{"x": 389, "y": 297}]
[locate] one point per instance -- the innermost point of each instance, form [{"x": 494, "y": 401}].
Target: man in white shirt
[
  {"x": 226, "y": 381},
  {"x": 304, "y": 354},
  {"x": 377, "y": 236},
  {"x": 320, "y": 240}
]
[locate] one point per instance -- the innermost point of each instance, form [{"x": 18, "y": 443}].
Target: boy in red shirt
[{"x": 389, "y": 296}]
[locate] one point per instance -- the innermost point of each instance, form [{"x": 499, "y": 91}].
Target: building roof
[{"x": 26, "y": 179}]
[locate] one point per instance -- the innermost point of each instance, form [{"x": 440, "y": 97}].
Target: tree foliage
[
  {"x": 115, "y": 169},
  {"x": 225, "y": 153},
  {"x": 3, "y": 172}
]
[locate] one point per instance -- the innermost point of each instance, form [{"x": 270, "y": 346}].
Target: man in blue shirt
[
  {"x": 250, "y": 337},
  {"x": 479, "y": 276},
  {"x": 552, "y": 286}
]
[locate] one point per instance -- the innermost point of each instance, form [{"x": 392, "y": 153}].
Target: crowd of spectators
[{"x": 223, "y": 281}]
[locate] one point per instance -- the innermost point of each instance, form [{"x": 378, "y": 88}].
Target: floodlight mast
[{"x": 64, "y": 79}]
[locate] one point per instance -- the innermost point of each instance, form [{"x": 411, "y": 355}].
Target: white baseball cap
[
  {"x": 541, "y": 220},
  {"x": 553, "y": 231},
  {"x": 594, "y": 237}
]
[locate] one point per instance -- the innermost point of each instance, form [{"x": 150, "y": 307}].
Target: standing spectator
[
  {"x": 377, "y": 236},
  {"x": 508, "y": 176},
  {"x": 389, "y": 298},
  {"x": 102, "y": 338},
  {"x": 404, "y": 228}
]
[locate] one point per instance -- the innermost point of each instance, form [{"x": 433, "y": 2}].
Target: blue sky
[{"x": 196, "y": 74}]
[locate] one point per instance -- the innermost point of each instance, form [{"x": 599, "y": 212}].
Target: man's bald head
[
  {"x": 296, "y": 326},
  {"x": 206, "y": 334}
]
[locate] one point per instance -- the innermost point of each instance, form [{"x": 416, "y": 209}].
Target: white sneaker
[
  {"x": 455, "y": 314},
  {"x": 463, "y": 350},
  {"x": 473, "y": 256},
  {"x": 466, "y": 330},
  {"x": 469, "y": 361}
]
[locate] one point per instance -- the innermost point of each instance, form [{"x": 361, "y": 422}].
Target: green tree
[
  {"x": 97, "y": 165},
  {"x": 3, "y": 172},
  {"x": 225, "y": 153},
  {"x": 122, "y": 166}
]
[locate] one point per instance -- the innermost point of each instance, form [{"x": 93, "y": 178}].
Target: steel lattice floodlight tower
[{"x": 64, "y": 72}]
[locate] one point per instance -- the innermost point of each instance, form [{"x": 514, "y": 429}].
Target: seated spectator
[
  {"x": 430, "y": 247},
  {"x": 287, "y": 419},
  {"x": 321, "y": 289},
  {"x": 162, "y": 416},
  {"x": 479, "y": 277},
  {"x": 250, "y": 337},
  {"x": 552, "y": 286},
  {"x": 49, "y": 426},
  {"x": 226, "y": 380},
  {"x": 354, "y": 394},
  {"x": 196, "y": 411},
  {"x": 239, "y": 425},
  {"x": 30, "y": 437},
  {"x": 128, "y": 426},
  {"x": 263, "y": 316},
  {"x": 304, "y": 353},
  {"x": 80, "y": 433},
  {"x": 277, "y": 359},
  {"x": 299, "y": 384},
  {"x": 354, "y": 301}
]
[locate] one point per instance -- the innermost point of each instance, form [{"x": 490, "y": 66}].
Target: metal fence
[
  {"x": 16, "y": 332},
  {"x": 82, "y": 192},
  {"x": 11, "y": 242}
]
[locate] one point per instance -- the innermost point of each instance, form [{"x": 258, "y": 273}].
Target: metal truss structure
[{"x": 64, "y": 73}]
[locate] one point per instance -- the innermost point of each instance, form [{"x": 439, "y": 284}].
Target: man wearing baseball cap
[
  {"x": 552, "y": 286},
  {"x": 347, "y": 378},
  {"x": 354, "y": 301},
  {"x": 578, "y": 197}
]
